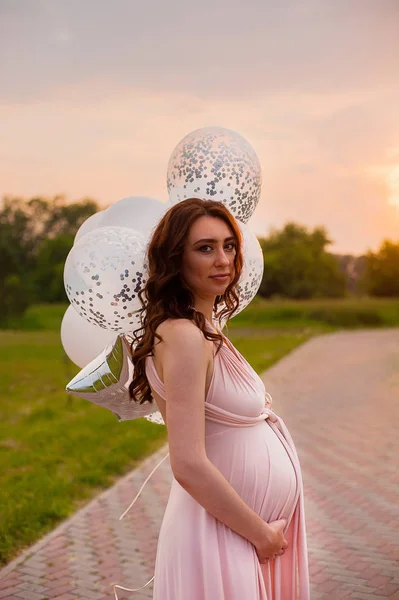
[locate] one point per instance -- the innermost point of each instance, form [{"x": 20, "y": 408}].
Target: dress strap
[{"x": 153, "y": 377}]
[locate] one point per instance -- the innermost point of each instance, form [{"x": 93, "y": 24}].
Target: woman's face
[{"x": 209, "y": 251}]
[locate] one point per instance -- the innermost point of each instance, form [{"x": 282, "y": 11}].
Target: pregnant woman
[{"x": 234, "y": 525}]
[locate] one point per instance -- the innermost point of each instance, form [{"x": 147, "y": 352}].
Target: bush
[{"x": 15, "y": 297}]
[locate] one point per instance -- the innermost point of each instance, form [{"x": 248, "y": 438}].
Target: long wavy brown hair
[{"x": 166, "y": 295}]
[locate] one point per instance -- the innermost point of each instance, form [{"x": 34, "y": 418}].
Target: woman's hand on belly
[{"x": 273, "y": 542}]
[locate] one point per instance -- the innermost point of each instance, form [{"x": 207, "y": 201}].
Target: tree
[
  {"x": 353, "y": 267},
  {"x": 15, "y": 297},
  {"x": 35, "y": 236},
  {"x": 49, "y": 270},
  {"x": 296, "y": 264},
  {"x": 381, "y": 275},
  {"x": 41, "y": 218}
]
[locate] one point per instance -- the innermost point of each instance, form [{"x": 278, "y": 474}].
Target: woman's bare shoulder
[
  {"x": 181, "y": 331},
  {"x": 175, "y": 327},
  {"x": 183, "y": 343}
]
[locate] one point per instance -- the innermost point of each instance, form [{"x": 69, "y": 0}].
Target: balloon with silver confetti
[
  {"x": 215, "y": 163},
  {"x": 103, "y": 274},
  {"x": 105, "y": 382},
  {"x": 252, "y": 271}
]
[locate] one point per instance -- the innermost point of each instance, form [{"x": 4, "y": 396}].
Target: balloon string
[
  {"x": 121, "y": 517},
  {"x": 142, "y": 487},
  {"x": 131, "y": 589}
]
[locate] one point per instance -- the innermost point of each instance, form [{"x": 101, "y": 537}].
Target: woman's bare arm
[{"x": 184, "y": 358}]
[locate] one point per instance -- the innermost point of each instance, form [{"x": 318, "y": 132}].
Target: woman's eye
[{"x": 230, "y": 246}]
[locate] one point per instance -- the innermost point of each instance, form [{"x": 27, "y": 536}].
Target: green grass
[
  {"x": 342, "y": 313},
  {"x": 39, "y": 317},
  {"x": 263, "y": 348},
  {"x": 58, "y": 451}
]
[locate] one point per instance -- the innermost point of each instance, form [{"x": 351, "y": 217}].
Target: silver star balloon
[{"x": 105, "y": 381}]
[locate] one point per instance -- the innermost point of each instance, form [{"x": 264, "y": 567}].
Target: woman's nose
[{"x": 222, "y": 258}]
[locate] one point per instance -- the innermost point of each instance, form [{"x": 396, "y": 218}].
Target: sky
[{"x": 95, "y": 95}]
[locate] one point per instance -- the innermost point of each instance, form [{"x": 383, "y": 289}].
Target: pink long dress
[{"x": 198, "y": 557}]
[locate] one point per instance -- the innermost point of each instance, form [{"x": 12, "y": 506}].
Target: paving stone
[
  {"x": 29, "y": 595},
  {"x": 8, "y": 592},
  {"x": 336, "y": 394}
]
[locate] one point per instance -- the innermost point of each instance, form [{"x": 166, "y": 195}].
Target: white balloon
[
  {"x": 252, "y": 271},
  {"x": 91, "y": 223},
  {"x": 215, "y": 163},
  {"x": 103, "y": 275},
  {"x": 81, "y": 340},
  {"x": 138, "y": 212}
]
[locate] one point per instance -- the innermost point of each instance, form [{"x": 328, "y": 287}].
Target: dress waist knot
[{"x": 224, "y": 417}]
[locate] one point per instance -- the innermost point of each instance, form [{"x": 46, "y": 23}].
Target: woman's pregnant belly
[{"x": 256, "y": 464}]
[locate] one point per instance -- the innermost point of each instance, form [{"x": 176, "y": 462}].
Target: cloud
[
  {"x": 209, "y": 49},
  {"x": 62, "y": 37},
  {"x": 95, "y": 95}
]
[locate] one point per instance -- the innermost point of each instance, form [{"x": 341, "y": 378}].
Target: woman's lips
[{"x": 220, "y": 277}]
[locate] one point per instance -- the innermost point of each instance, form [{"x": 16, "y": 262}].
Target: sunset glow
[
  {"x": 89, "y": 108},
  {"x": 393, "y": 183}
]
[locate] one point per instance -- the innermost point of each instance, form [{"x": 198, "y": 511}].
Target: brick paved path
[{"x": 339, "y": 396}]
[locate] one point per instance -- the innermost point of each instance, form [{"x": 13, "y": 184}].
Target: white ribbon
[
  {"x": 142, "y": 487},
  {"x": 121, "y": 517}
]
